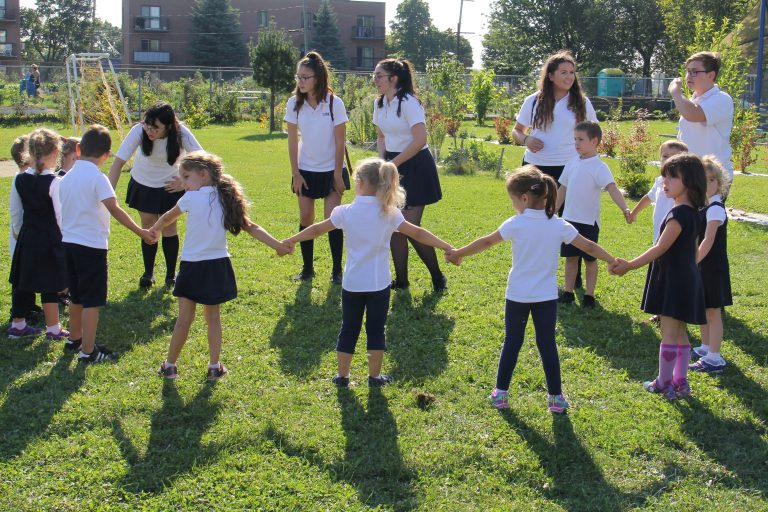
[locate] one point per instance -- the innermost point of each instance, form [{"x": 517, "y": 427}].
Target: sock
[
  {"x": 171, "y": 253},
  {"x": 307, "y": 251},
  {"x": 667, "y": 358},
  {"x": 398, "y": 245},
  {"x": 148, "y": 252},
  {"x": 714, "y": 357},
  {"x": 213, "y": 366},
  {"x": 19, "y": 325},
  {"x": 681, "y": 364},
  {"x": 702, "y": 349},
  {"x": 336, "y": 241},
  {"x": 168, "y": 363},
  {"x": 55, "y": 329}
]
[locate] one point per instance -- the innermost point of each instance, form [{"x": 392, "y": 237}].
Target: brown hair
[
  {"x": 403, "y": 70},
  {"x": 383, "y": 176},
  {"x": 591, "y": 128},
  {"x": 545, "y": 99},
  {"x": 69, "y": 145},
  {"x": 530, "y": 180},
  {"x": 689, "y": 168},
  {"x": 43, "y": 142},
  {"x": 710, "y": 60},
  {"x": 20, "y": 150},
  {"x": 231, "y": 196},
  {"x": 713, "y": 166},
  {"x": 314, "y": 61},
  {"x": 95, "y": 142},
  {"x": 674, "y": 144}
]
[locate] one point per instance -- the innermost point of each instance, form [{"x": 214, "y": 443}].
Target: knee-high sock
[
  {"x": 667, "y": 359},
  {"x": 307, "y": 251},
  {"x": 148, "y": 252},
  {"x": 428, "y": 255},
  {"x": 398, "y": 245},
  {"x": 336, "y": 241},
  {"x": 680, "y": 374},
  {"x": 171, "y": 253}
]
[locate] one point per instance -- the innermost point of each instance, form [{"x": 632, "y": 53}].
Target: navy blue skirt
[
  {"x": 320, "y": 184},
  {"x": 208, "y": 282},
  {"x": 418, "y": 176},
  {"x": 150, "y": 200}
]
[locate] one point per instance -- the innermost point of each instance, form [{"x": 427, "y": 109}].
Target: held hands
[
  {"x": 452, "y": 256},
  {"x": 628, "y": 216},
  {"x": 632, "y": 217},
  {"x": 299, "y": 183},
  {"x": 284, "y": 248},
  {"x": 150, "y": 236},
  {"x": 619, "y": 267},
  {"x": 534, "y": 144},
  {"x": 174, "y": 185}
]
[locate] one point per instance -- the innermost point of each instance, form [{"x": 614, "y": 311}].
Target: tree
[
  {"x": 108, "y": 38},
  {"x": 639, "y": 25},
  {"x": 446, "y": 75},
  {"x": 53, "y": 30},
  {"x": 273, "y": 59},
  {"x": 325, "y": 36},
  {"x": 445, "y": 42},
  {"x": 217, "y": 38},
  {"x": 412, "y": 33}
]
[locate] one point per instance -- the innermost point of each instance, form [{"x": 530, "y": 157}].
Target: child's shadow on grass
[
  {"x": 19, "y": 357},
  {"x": 138, "y": 318},
  {"x": 306, "y": 331},
  {"x": 174, "y": 446},
  {"x": 417, "y": 336},
  {"x": 372, "y": 459},
  {"x": 747, "y": 339}
]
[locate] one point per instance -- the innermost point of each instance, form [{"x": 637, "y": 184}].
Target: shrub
[
  {"x": 360, "y": 127},
  {"x": 470, "y": 158},
  {"x": 601, "y": 115},
  {"x": 744, "y": 137},
  {"x": 502, "y": 130},
  {"x": 483, "y": 92},
  {"x": 436, "y": 133},
  {"x": 634, "y": 148},
  {"x": 197, "y": 116}
]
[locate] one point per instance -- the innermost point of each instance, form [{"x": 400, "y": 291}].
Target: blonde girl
[{"x": 369, "y": 222}]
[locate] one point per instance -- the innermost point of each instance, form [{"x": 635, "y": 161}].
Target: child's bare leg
[
  {"x": 51, "y": 313},
  {"x": 90, "y": 323},
  {"x": 75, "y": 321},
  {"x": 591, "y": 268},
  {"x": 181, "y": 329},
  {"x": 571, "y": 267},
  {"x": 714, "y": 329},
  {"x": 213, "y": 318},
  {"x": 344, "y": 362},
  {"x": 375, "y": 358}
]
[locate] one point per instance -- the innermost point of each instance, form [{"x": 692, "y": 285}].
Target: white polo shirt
[
  {"x": 153, "y": 171},
  {"x": 584, "y": 179},
  {"x": 661, "y": 205},
  {"x": 536, "y": 241},
  {"x": 317, "y": 146},
  {"x": 397, "y": 129},
  {"x": 84, "y": 218},
  {"x": 716, "y": 212},
  {"x": 559, "y": 147},
  {"x": 367, "y": 231},
  {"x": 206, "y": 238},
  {"x": 713, "y": 136}
]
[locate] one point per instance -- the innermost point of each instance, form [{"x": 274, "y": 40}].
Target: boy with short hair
[
  {"x": 582, "y": 181},
  {"x": 87, "y": 200}
]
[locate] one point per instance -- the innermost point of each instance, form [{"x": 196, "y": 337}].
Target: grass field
[{"x": 276, "y": 435}]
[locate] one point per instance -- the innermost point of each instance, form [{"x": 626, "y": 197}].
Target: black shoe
[
  {"x": 440, "y": 283},
  {"x": 337, "y": 277},
  {"x": 304, "y": 275},
  {"x": 381, "y": 380},
  {"x": 566, "y": 298},
  {"x": 99, "y": 355},
  {"x": 170, "y": 281},
  {"x": 73, "y": 344},
  {"x": 146, "y": 281},
  {"x": 588, "y": 302},
  {"x": 397, "y": 284},
  {"x": 342, "y": 382}
]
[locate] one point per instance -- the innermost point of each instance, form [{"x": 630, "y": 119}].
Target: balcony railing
[
  {"x": 359, "y": 32},
  {"x": 6, "y": 50},
  {"x": 152, "y": 57},
  {"x": 151, "y": 24},
  {"x": 8, "y": 14},
  {"x": 363, "y": 63}
]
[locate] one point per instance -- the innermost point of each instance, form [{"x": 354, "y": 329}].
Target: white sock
[
  {"x": 168, "y": 363},
  {"x": 19, "y": 325},
  {"x": 714, "y": 357},
  {"x": 54, "y": 329},
  {"x": 212, "y": 366},
  {"x": 702, "y": 349}
]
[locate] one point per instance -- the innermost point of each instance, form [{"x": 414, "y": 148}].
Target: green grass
[{"x": 275, "y": 434}]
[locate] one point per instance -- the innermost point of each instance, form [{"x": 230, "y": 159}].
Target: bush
[
  {"x": 360, "y": 128},
  {"x": 197, "y": 116},
  {"x": 483, "y": 92},
  {"x": 470, "y": 158},
  {"x": 601, "y": 115},
  {"x": 436, "y": 133},
  {"x": 502, "y": 130},
  {"x": 744, "y": 137},
  {"x": 634, "y": 148}
]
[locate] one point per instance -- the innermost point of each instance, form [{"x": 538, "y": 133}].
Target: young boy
[
  {"x": 582, "y": 181},
  {"x": 87, "y": 200}
]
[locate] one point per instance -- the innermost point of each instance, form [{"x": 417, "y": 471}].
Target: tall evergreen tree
[
  {"x": 218, "y": 39},
  {"x": 273, "y": 58},
  {"x": 326, "y": 38}
]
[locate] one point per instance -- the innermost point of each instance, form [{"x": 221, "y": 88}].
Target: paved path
[{"x": 7, "y": 168}]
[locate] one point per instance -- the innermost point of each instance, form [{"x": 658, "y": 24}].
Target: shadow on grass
[
  {"x": 372, "y": 460},
  {"x": 174, "y": 446},
  {"x": 261, "y": 137},
  {"x": 753, "y": 343},
  {"x": 140, "y": 317},
  {"x": 18, "y": 357},
  {"x": 417, "y": 336}
]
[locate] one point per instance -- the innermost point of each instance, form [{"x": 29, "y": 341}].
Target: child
[
  {"x": 715, "y": 272},
  {"x": 39, "y": 240},
  {"x": 87, "y": 201},
  {"x": 20, "y": 155},
  {"x": 215, "y": 204},
  {"x": 369, "y": 223},
  {"x": 580, "y": 184},
  {"x": 536, "y": 234},
  {"x": 673, "y": 288},
  {"x": 69, "y": 152}
]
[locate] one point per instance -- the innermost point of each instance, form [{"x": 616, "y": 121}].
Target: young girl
[
  {"x": 39, "y": 262},
  {"x": 215, "y": 204},
  {"x": 69, "y": 154},
  {"x": 673, "y": 288},
  {"x": 317, "y": 160},
  {"x": 369, "y": 223},
  {"x": 715, "y": 272},
  {"x": 536, "y": 234}
]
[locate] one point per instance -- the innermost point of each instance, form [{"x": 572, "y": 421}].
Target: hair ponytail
[
  {"x": 384, "y": 177},
  {"x": 403, "y": 70},
  {"x": 551, "y": 190},
  {"x": 530, "y": 180},
  {"x": 43, "y": 142}
]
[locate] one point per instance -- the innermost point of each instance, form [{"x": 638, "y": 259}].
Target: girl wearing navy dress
[
  {"x": 714, "y": 267},
  {"x": 215, "y": 204},
  {"x": 39, "y": 262},
  {"x": 402, "y": 140},
  {"x": 155, "y": 186},
  {"x": 673, "y": 287},
  {"x": 317, "y": 157},
  {"x": 369, "y": 222},
  {"x": 536, "y": 234}
]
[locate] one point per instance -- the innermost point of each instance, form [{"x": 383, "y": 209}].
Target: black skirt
[
  {"x": 320, "y": 184},
  {"x": 418, "y": 176},
  {"x": 208, "y": 282},
  {"x": 150, "y": 200}
]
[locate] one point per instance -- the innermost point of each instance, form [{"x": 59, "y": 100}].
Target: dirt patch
[{"x": 8, "y": 168}]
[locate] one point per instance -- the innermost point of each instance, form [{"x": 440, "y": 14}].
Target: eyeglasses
[
  {"x": 151, "y": 127},
  {"x": 695, "y": 72},
  {"x": 378, "y": 77},
  {"x": 303, "y": 78}
]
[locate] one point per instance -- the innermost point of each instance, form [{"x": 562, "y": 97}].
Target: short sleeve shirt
[
  {"x": 206, "y": 238},
  {"x": 84, "y": 218},
  {"x": 716, "y": 213},
  {"x": 584, "y": 179},
  {"x": 317, "y": 147},
  {"x": 712, "y": 136},
  {"x": 661, "y": 205},
  {"x": 397, "y": 129}
]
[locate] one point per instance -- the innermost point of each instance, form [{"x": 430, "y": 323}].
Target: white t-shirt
[
  {"x": 584, "y": 179},
  {"x": 317, "y": 146},
  {"x": 153, "y": 171},
  {"x": 536, "y": 241},
  {"x": 559, "y": 147},
  {"x": 397, "y": 129},
  {"x": 84, "y": 218},
  {"x": 713, "y": 136},
  {"x": 716, "y": 212},
  {"x": 206, "y": 238},
  {"x": 367, "y": 230},
  {"x": 17, "y": 207},
  {"x": 661, "y": 205}
]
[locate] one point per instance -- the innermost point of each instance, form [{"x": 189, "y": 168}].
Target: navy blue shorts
[{"x": 589, "y": 232}]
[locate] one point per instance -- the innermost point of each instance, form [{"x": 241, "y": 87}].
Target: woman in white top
[
  {"x": 402, "y": 140},
  {"x": 317, "y": 160},
  {"x": 155, "y": 186}
]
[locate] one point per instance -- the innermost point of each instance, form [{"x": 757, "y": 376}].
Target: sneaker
[
  {"x": 397, "y": 284},
  {"x": 146, "y": 281},
  {"x": 440, "y": 283},
  {"x": 381, "y": 380},
  {"x": 27, "y": 331},
  {"x": 99, "y": 355},
  {"x": 588, "y": 302},
  {"x": 169, "y": 371},
  {"x": 304, "y": 275},
  {"x": 557, "y": 404},
  {"x": 704, "y": 366},
  {"x": 337, "y": 277},
  {"x": 56, "y": 336},
  {"x": 342, "y": 382},
  {"x": 499, "y": 399},
  {"x": 566, "y": 298},
  {"x": 654, "y": 387},
  {"x": 73, "y": 344},
  {"x": 215, "y": 374},
  {"x": 683, "y": 389},
  {"x": 697, "y": 353}
]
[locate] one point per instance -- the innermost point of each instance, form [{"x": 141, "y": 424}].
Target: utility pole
[
  {"x": 458, "y": 30},
  {"x": 304, "y": 23},
  {"x": 93, "y": 25}
]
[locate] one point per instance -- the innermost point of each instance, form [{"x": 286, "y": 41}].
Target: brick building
[
  {"x": 158, "y": 32},
  {"x": 10, "y": 34}
]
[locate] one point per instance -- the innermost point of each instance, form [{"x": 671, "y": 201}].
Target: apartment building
[
  {"x": 10, "y": 34},
  {"x": 158, "y": 32}
]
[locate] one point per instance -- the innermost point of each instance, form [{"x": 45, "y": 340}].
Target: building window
[
  {"x": 150, "y": 45},
  {"x": 3, "y": 36},
  {"x": 151, "y": 15},
  {"x": 365, "y": 21},
  {"x": 262, "y": 19},
  {"x": 365, "y": 57}
]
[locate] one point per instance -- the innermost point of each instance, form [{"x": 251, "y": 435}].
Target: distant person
[{"x": 34, "y": 78}]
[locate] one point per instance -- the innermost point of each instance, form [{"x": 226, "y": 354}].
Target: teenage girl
[
  {"x": 402, "y": 140},
  {"x": 715, "y": 271},
  {"x": 673, "y": 288},
  {"x": 39, "y": 262},
  {"x": 369, "y": 222},
  {"x": 155, "y": 186},
  {"x": 215, "y": 204},
  {"x": 317, "y": 159},
  {"x": 69, "y": 152},
  {"x": 536, "y": 234}
]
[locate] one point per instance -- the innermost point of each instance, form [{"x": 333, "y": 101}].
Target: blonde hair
[
  {"x": 69, "y": 145},
  {"x": 382, "y": 176},
  {"x": 674, "y": 144},
  {"x": 20, "y": 150},
  {"x": 231, "y": 196},
  {"x": 43, "y": 142},
  {"x": 713, "y": 166}
]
